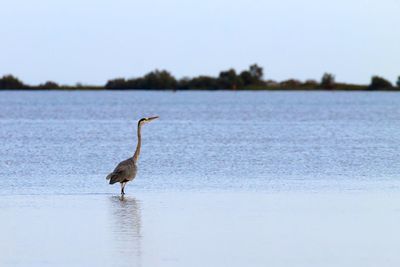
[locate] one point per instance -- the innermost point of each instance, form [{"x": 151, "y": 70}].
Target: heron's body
[{"x": 126, "y": 170}]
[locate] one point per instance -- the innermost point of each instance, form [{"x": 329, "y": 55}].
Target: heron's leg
[{"x": 123, "y": 188}]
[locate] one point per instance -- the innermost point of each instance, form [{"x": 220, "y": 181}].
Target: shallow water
[
  {"x": 201, "y": 229},
  {"x": 225, "y": 179}
]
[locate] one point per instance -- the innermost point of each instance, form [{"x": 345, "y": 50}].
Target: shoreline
[{"x": 205, "y": 90}]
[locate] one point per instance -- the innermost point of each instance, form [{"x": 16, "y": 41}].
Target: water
[
  {"x": 225, "y": 179},
  {"x": 66, "y": 142}
]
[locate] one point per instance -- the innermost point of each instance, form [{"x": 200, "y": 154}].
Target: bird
[{"x": 126, "y": 170}]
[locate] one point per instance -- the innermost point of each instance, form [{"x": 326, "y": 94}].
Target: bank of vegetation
[{"x": 250, "y": 79}]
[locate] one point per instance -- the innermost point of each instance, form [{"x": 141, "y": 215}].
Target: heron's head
[{"x": 146, "y": 120}]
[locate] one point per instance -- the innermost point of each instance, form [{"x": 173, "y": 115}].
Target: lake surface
[{"x": 225, "y": 179}]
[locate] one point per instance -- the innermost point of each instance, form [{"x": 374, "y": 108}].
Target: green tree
[
  {"x": 118, "y": 83},
  {"x": 291, "y": 84},
  {"x": 229, "y": 80},
  {"x": 256, "y": 72},
  {"x": 203, "y": 82},
  {"x": 183, "y": 84},
  {"x": 398, "y": 82},
  {"x": 159, "y": 80},
  {"x": 328, "y": 81},
  {"x": 379, "y": 83},
  {"x": 48, "y": 85},
  {"x": 310, "y": 84},
  {"x": 11, "y": 82},
  {"x": 246, "y": 77},
  {"x": 252, "y": 76}
]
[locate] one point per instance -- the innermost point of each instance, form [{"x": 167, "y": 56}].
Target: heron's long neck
[{"x": 139, "y": 143}]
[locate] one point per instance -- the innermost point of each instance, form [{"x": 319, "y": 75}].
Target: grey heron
[{"x": 126, "y": 170}]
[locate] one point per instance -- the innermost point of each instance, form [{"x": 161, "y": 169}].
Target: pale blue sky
[{"x": 90, "y": 41}]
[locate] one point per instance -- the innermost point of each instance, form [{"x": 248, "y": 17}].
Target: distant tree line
[
  {"x": 250, "y": 79},
  {"x": 159, "y": 80}
]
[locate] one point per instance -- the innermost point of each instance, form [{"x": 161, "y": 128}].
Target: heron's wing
[
  {"x": 123, "y": 166},
  {"x": 121, "y": 172}
]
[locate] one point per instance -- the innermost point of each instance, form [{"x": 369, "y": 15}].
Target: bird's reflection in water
[{"x": 126, "y": 229}]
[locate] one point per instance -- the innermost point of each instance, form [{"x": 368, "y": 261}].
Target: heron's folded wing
[
  {"x": 120, "y": 173},
  {"x": 122, "y": 167}
]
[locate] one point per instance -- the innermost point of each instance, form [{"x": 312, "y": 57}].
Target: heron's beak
[{"x": 152, "y": 118}]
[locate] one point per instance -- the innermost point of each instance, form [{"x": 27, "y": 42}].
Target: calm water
[
  {"x": 66, "y": 142},
  {"x": 225, "y": 179}
]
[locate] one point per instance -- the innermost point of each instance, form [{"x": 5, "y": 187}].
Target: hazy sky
[{"x": 90, "y": 41}]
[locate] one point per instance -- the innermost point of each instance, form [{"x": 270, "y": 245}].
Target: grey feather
[{"x": 124, "y": 172}]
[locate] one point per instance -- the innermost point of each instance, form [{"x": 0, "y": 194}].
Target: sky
[{"x": 92, "y": 41}]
